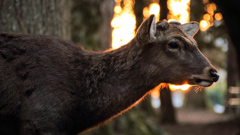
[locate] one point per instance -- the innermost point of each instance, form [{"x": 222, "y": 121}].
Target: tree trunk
[
  {"x": 164, "y": 9},
  {"x": 232, "y": 77},
  {"x": 229, "y": 11},
  {"x": 138, "y": 11},
  {"x": 48, "y": 17},
  {"x": 167, "y": 111},
  {"x": 90, "y": 23},
  {"x": 106, "y": 29}
]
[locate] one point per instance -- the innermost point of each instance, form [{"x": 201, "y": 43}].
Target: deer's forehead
[{"x": 176, "y": 32}]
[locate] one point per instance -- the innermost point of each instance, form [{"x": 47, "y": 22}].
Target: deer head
[{"x": 173, "y": 55}]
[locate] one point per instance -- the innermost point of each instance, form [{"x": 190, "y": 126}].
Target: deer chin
[{"x": 203, "y": 83}]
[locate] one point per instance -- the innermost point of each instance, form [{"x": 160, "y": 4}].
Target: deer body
[{"x": 50, "y": 86}]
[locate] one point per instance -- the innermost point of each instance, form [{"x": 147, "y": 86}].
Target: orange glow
[
  {"x": 118, "y": 1},
  {"x": 179, "y": 87},
  {"x": 205, "y": 1},
  {"x": 117, "y": 9},
  {"x": 218, "y": 16},
  {"x": 179, "y": 10},
  {"x": 123, "y": 23},
  {"x": 145, "y": 12},
  {"x": 210, "y": 8},
  {"x": 154, "y": 8},
  {"x": 208, "y": 19},
  {"x": 155, "y": 93},
  {"x": 204, "y": 25}
]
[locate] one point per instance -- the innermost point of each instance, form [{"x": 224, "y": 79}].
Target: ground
[{"x": 202, "y": 122}]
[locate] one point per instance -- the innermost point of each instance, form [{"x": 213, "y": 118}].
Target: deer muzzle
[{"x": 206, "y": 79}]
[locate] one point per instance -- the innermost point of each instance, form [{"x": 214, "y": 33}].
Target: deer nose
[{"x": 214, "y": 75}]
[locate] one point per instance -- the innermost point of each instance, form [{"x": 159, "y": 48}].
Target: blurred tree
[
  {"x": 49, "y": 17},
  {"x": 229, "y": 11},
  {"x": 138, "y": 10},
  {"x": 232, "y": 77},
  {"x": 167, "y": 111},
  {"x": 90, "y": 23},
  {"x": 164, "y": 9}
]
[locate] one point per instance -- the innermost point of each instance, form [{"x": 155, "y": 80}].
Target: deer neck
[{"x": 111, "y": 82}]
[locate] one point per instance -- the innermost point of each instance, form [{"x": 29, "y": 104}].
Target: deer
[{"x": 52, "y": 86}]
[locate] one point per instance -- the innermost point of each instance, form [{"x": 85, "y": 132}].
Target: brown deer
[{"x": 51, "y": 86}]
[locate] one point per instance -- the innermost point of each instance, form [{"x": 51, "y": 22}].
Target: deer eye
[{"x": 173, "y": 45}]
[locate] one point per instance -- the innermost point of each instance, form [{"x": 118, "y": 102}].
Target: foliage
[{"x": 217, "y": 93}]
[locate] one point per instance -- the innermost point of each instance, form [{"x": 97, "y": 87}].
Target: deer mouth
[{"x": 204, "y": 83}]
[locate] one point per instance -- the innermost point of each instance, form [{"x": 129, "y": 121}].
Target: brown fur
[{"x": 51, "y": 86}]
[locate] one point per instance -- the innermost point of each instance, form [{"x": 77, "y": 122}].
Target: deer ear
[
  {"x": 147, "y": 31},
  {"x": 190, "y": 28},
  {"x": 153, "y": 29}
]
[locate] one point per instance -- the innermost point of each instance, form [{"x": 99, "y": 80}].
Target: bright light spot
[
  {"x": 218, "y": 108},
  {"x": 145, "y": 12},
  {"x": 154, "y": 9},
  {"x": 117, "y": 9},
  {"x": 219, "y": 42},
  {"x": 205, "y": 1},
  {"x": 177, "y": 98},
  {"x": 218, "y": 16},
  {"x": 234, "y": 90},
  {"x": 206, "y": 17},
  {"x": 204, "y": 25},
  {"x": 210, "y": 8},
  {"x": 234, "y": 101},
  {"x": 156, "y": 102},
  {"x": 118, "y": 1},
  {"x": 179, "y": 10},
  {"x": 179, "y": 87},
  {"x": 123, "y": 23},
  {"x": 155, "y": 93}
]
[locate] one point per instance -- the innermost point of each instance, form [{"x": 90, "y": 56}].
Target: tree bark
[
  {"x": 232, "y": 77},
  {"x": 106, "y": 29},
  {"x": 91, "y": 26},
  {"x": 48, "y": 17},
  {"x": 167, "y": 111},
  {"x": 138, "y": 11},
  {"x": 164, "y": 9}
]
